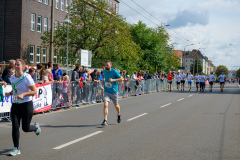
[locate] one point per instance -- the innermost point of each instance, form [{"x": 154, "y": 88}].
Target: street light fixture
[{"x": 67, "y": 21}]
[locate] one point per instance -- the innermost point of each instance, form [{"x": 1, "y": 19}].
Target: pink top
[
  {"x": 64, "y": 84},
  {"x": 51, "y": 76}
]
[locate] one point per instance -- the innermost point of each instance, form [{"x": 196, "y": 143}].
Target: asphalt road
[{"x": 160, "y": 126}]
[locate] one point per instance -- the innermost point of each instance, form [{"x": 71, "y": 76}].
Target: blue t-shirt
[
  {"x": 111, "y": 87},
  {"x": 100, "y": 77},
  {"x": 59, "y": 73}
]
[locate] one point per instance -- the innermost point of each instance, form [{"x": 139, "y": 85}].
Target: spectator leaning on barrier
[
  {"x": 50, "y": 76},
  {"x": 32, "y": 72},
  {"x": 11, "y": 65},
  {"x": 95, "y": 81},
  {"x": 46, "y": 76},
  {"x": 57, "y": 72},
  {"x": 74, "y": 81},
  {"x": 7, "y": 78},
  {"x": 36, "y": 76}
]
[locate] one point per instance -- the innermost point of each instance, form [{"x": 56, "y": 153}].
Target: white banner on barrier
[
  {"x": 42, "y": 101},
  {"x": 7, "y": 102}
]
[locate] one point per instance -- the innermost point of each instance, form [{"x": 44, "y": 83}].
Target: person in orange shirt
[{"x": 170, "y": 77}]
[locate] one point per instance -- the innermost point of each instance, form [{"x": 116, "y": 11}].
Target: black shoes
[
  {"x": 104, "y": 122},
  {"x": 119, "y": 119}
]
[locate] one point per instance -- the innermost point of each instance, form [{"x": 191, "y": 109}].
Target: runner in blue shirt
[{"x": 111, "y": 77}]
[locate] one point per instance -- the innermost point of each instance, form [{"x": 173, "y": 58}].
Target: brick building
[{"x": 23, "y": 22}]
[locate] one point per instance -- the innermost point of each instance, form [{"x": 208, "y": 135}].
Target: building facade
[
  {"x": 23, "y": 22},
  {"x": 190, "y": 56}
]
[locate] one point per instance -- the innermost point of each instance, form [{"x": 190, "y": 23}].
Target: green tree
[
  {"x": 238, "y": 73},
  {"x": 197, "y": 67},
  {"x": 221, "y": 69},
  {"x": 154, "y": 46},
  {"x": 93, "y": 28}
]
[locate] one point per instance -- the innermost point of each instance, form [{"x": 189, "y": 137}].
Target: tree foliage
[
  {"x": 197, "y": 67},
  {"x": 238, "y": 73},
  {"x": 156, "y": 53},
  {"x": 93, "y": 27},
  {"x": 221, "y": 69},
  {"x": 96, "y": 28}
]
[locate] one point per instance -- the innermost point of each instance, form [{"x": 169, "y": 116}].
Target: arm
[
  {"x": 115, "y": 80},
  {"x": 30, "y": 93}
]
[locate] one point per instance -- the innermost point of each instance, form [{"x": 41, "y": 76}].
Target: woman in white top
[
  {"x": 23, "y": 90},
  {"x": 197, "y": 79}
]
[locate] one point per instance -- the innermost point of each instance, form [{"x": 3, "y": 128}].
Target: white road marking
[
  {"x": 180, "y": 99},
  {"x": 77, "y": 140},
  {"x": 166, "y": 105},
  {"x": 190, "y": 95},
  {"x": 137, "y": 117}
]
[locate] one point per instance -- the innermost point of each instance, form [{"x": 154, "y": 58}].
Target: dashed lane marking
[
  {"x": 77, "y": 140},
  {"x": 136, "y": 117},
  {"x": 166, "y": 105},
  {"x": 180, "y": 99}
]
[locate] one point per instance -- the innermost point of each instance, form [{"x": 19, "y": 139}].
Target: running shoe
[
  {"x": 14, "y": 152},
  {"x": 119, "y": 119},
  {"x": 38, "y": 131},
  {"x": 104, "y": 122}
]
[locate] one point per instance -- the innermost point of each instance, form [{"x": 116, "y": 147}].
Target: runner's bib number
[
  {"x": 108, "y": 84},
  {"x": 16, "y": 100}
]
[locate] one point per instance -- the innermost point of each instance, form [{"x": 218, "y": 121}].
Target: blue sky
[{"x": 211, "y": 25}]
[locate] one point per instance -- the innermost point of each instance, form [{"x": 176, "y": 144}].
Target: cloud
[
  {"x": 189, "y": 18},
  {"x": 228, "y": 5}
]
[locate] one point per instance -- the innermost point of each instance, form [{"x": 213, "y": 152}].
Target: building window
[
  {"x": 39, "y": 24},
  {"x": 50, "y": 25},
  {"x": 57, "y": 4},
  {"x": 40, "y": 1},
  {"x": 111, "y": 6},
  {"x": 62, "y": 5},
  {"x": 38, "y": 54},
  {"x": 46, "y": 2},
  {"x": 116, "y": 8},
  {"x": 66, "y": 9},
  {"x": 44, "y": 55},
  {"x": 32, "y": 22},
  {"x": 56, "y": 26},
  {"x": 186, "y": 60},
  {"x": 55, "y": 57},
  {"x": 50, "y": 2},
  {"x": 45, "y": 25},
  {"x": 31, "y": 54}
]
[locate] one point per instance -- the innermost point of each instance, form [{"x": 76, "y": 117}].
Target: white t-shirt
[
  {"x": 211, "y": 78},
  {"x": 45, "y": 78},
  {"x": 133, "y": 77},
  {"x": 183, "y": 76},
  {"x": 222, "y": 78},
  {"x": 202, "y": 78},
  {"x": 190, "y": 77},
  {"x": 197, "y": 78},
  {"x": 20, "y": 85},
  {"x": 178, "y": 78}
]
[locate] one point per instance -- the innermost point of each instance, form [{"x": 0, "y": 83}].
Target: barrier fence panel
[{"x": 92, "y": 92}]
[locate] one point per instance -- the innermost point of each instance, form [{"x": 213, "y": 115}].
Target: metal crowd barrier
[
  {"x": 5, "y": 115},
  {"x": 92, "y": 92}
]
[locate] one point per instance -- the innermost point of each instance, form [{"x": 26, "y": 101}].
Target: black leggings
[
  {"x": 202, "y": 85},
  {"x": 22, "y": 111}
]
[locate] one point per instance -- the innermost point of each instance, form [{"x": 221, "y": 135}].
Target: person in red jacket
[{"x": 170, "y": 77}]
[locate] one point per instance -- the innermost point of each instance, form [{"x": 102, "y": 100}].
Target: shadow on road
[
  {"x": 70, "y": 126},
  {"x": 5, "y": 152}
]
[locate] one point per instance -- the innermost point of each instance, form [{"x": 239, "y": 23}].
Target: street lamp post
[
  {"x": 184, "y": 53},
  {"x": 67, "y": 21}
]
